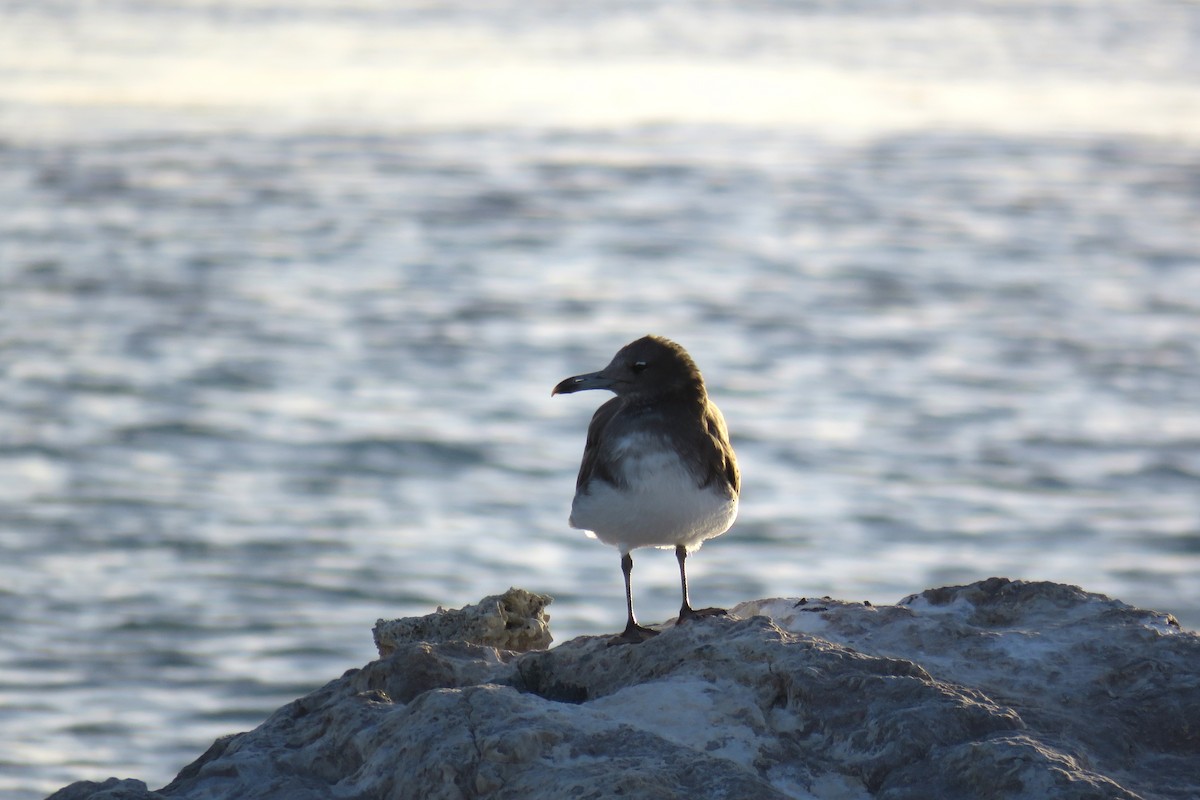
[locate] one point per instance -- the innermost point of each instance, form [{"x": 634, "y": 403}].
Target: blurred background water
[{"x": 285, "y": 284}]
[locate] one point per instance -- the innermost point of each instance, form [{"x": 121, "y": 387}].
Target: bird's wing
[
  {"x": 592, "y": 467},
  {"x": 721, "y": 463}
]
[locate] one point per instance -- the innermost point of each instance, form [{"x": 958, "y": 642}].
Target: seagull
[{"x": 658, "y": 470}]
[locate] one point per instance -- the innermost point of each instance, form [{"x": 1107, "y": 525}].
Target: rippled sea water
[{"x": 276, "y": 354}]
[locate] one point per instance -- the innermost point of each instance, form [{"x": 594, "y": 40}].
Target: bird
[{"x": 658, "y": 469}]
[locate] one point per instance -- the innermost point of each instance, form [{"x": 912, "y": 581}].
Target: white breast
[{"x": 662, "y": 506}]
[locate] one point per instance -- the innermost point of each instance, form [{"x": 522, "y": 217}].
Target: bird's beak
[{"x": 592, "y": 380}]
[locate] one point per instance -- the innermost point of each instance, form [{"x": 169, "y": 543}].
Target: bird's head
[{"x": 648, "y": 367}]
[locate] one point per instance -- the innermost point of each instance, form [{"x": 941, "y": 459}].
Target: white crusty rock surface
[
  {"x": 515, "y": 620},
  {"x": 999, "y": 689}
]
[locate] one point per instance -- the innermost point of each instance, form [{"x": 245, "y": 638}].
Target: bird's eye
[{"x": 637, "y": 366}]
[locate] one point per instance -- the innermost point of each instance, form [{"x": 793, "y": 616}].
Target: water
[{"x": 284, "y": 289}]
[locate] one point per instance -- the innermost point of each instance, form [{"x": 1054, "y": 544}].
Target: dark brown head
[{"x": 646, "y": 368}]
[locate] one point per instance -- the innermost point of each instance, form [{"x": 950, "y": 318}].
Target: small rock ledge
[{"x": 998, "y": 689}]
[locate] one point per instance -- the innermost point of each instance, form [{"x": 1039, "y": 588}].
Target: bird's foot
[
  {"x": 688, "y": 613},
  {"x": 633, "y": 634}
]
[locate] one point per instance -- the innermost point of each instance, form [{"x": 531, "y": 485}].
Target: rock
[
  {"x": 111, "y": 789},
  {"x": 515, "y": 620},
  {"x": 999, "y": 689}
]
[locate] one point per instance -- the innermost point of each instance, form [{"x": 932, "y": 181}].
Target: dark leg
[
  {"x": 686, "y": 612},
  {"x": 634, "y": 633}
]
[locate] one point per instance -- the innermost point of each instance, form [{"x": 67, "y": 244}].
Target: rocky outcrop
[
  {"x": 999, "y": 689},
  {"x": 515, "y": 620}
]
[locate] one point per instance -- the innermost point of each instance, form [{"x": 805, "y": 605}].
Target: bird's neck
[{"x": 687, "y": 396}]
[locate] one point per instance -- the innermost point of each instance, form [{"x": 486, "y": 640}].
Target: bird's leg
[
  {"x": 634, "y": 633},
  {"x": 686, "y": 611}
]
